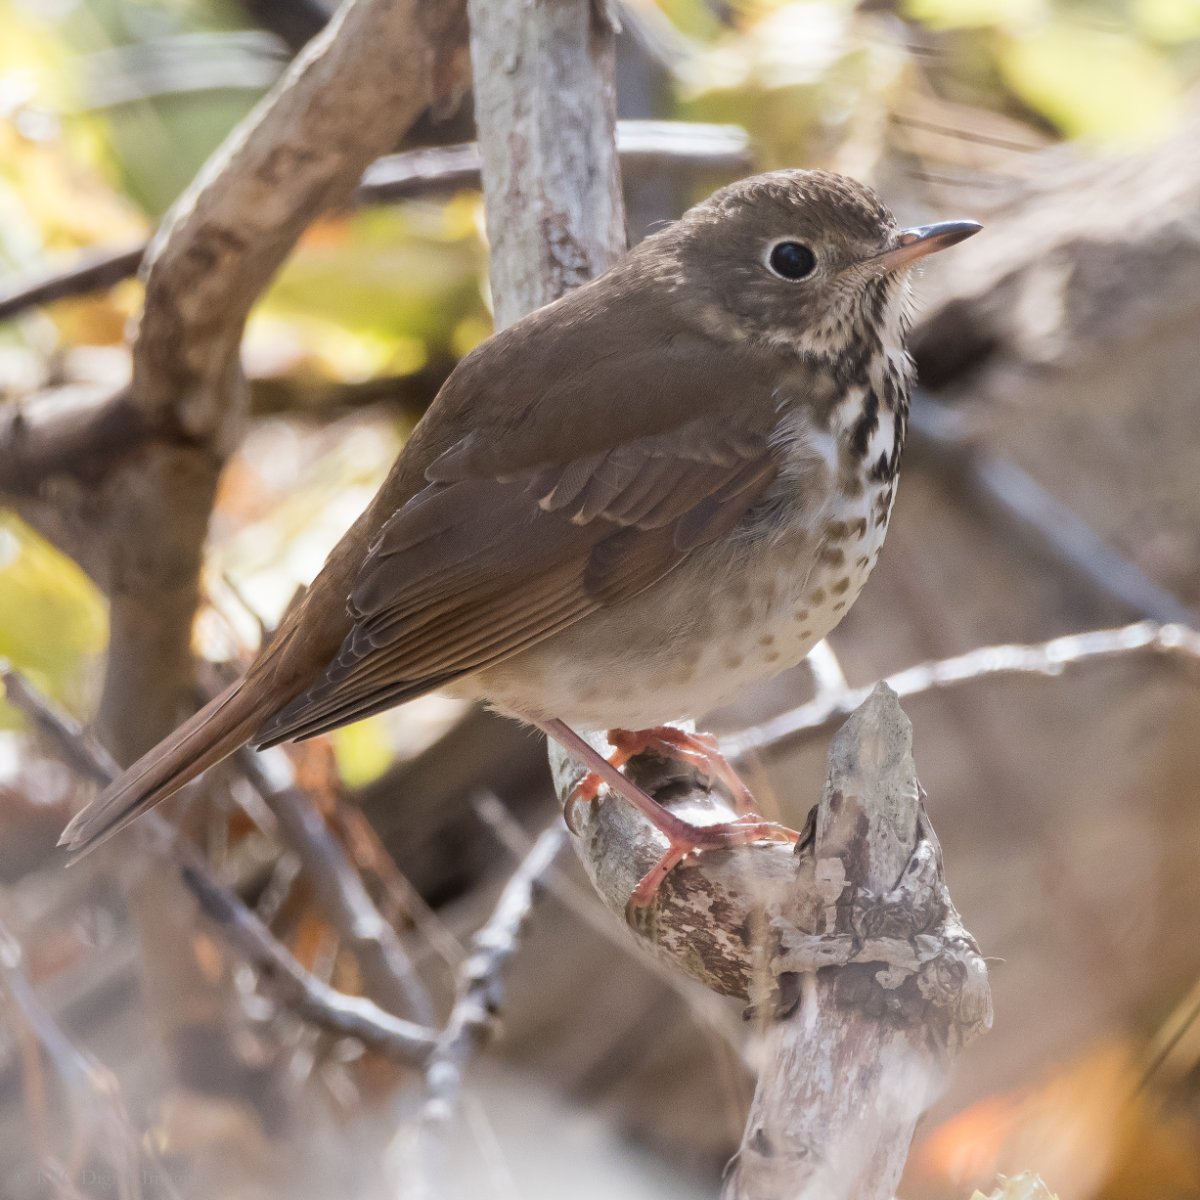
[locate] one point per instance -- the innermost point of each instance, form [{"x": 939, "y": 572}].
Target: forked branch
[{"x": 848, "y": 948}]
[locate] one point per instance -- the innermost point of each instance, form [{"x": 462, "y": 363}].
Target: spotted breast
[{"x": 754, "y": 604}]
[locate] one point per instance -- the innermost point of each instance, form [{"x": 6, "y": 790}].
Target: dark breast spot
[{"x": 860, "y": 437}]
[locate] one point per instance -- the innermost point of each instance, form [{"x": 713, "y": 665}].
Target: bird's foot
[
  {"x": 683, "y": 838},
  {"x": 698, "y": 750},
  {"x": 694, "y": 839}
]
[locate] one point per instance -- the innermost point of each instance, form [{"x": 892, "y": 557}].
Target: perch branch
[
  {"x": 848, "y": 946},
  {"x": 1045, "y": 658},
  {"x": 864, "y": 1050}
]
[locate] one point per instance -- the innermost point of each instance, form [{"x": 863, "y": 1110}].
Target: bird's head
[{"x": 806, "y": 261}]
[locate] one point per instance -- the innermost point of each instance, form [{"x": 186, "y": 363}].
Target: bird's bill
[{"x": 916, "y": 243}]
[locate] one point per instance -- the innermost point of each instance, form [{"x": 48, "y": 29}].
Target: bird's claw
[{"x": 742, "y": 831}]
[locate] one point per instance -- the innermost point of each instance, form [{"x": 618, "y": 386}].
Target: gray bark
[
  {"x": 545, "y": 108},
  {"x": 848, "y": 947}
]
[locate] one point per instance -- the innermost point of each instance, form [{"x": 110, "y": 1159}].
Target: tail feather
[{"x": 214, "y": 733}]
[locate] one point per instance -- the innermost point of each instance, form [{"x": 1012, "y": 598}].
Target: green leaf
[{"x": 378, "y": 291}]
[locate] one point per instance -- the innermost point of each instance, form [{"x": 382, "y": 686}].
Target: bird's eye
[{"x": 791, "y": 260}]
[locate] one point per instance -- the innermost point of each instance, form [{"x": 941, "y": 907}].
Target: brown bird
[{"x": 620, "y": 510}]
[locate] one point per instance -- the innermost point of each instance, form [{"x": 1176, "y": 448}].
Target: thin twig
[
  {"x": 389, "y": 976},
  {"x": 298, "y": 989},
  {"x": 304, "y": 993},
  {"x": 369, "y": 854},
  {"x": 92, "y": 272},
  {"x": 75, "y": 746},
  {"x": 827, "y": 673},
  {"x": 668, "y": 145},
  {"x": 480, "y": 998},
  {"x": 1043, "y": 658},
  {"x": 100, "y": 1123}
]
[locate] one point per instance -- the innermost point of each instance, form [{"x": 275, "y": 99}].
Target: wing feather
[{"x": 506, "y": 545}]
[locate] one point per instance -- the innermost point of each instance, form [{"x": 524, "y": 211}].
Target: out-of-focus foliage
[
  {"x": 1092, "y": 1127},
  {"x": 379, "y": 292},
  {"x": 801, "y": 75},
  {"x": 1021, "y": 1187},
  {"x": 52, "y": 619},
  {"x": 157, "y": 85},
  {"x": 1111, "y": 73}
]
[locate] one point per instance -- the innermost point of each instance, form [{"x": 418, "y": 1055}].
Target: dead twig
[
  {"x": 1043, "y": 658},
  {"x": 293, "y": 986},
  {"x": 389, "y": 976},
  {"x": 297, "y": 989},
  {"x": 673, "y": 146},
  {"x": 74, "y": 745},
  {"x": 99, "y": 1123},
  {"x": 370, "y": 856},
  {"x": 476, "y": 1007},
  {"x": 92, "y": 272}
]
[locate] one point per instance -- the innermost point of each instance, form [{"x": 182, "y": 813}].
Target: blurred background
[{"x": 1052, "y": 486}]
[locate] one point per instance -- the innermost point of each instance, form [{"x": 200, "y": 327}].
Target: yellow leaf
[
  {"x": 363, "y": 751},
  {"x": 1167, "y": 21},
  {"x": 973, "y": 14},
  {"x": 52, "y": 618},
  {"x": 1093, "y": 84}
]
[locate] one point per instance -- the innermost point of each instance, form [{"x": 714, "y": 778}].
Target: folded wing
[{"x": 474, "y": 570}]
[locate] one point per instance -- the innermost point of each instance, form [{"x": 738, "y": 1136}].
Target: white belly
[{"x": 727, "y": 618}]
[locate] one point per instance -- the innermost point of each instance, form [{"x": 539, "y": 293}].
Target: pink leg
[
  {"x": 682, "y": 837},
  {"x": 697, "y": 749}
]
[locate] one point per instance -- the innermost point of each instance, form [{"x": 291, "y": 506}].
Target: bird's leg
[
  {"x": 683, "y": 838},
  {"x": 699, "y": 750}
]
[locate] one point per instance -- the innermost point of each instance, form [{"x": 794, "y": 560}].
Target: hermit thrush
[{"x": 623, "y": 508}]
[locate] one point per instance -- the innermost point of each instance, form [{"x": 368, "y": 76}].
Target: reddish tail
[{"x": 214, "y": 733}]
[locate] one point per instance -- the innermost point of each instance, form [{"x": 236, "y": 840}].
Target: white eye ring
[{"x": 790, "y": 260}]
